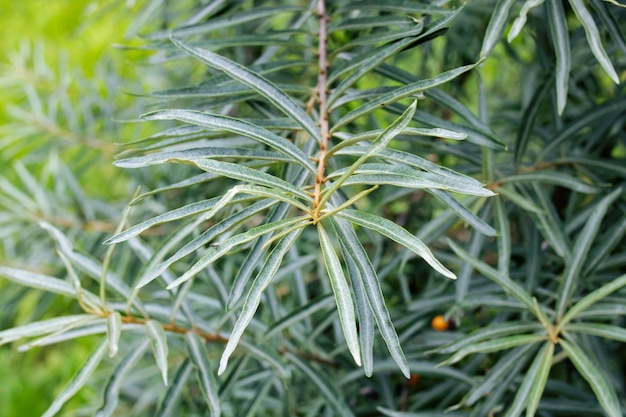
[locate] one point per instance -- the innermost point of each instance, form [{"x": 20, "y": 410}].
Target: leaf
[
  {"x": 607, "y": 331},
  {"x": 341, "y": 290},
  {"x": 518, "y": 199},
  {"x": 43, "y": 282},
  {"x": 520, "y": 20},
  {"x": 352, "y": 248},
  {"x": 168, "y": 404},
  {"x": 237, "y": 126},
  {"x": 397, "y": 234},
  {"x": 581, "y": 250},
  {"x": 496, "y": 25},
  {"x": 114, "y": 331},
  {"x": 257, "y": 82},
  {"x": 324, "y": 384},
  {"x": 591, "y": 299},
  {"x": 599, "y": 384},
  {"x": 159, "y": 345},
  {"x": 531, "y": 389},
  {"x": 553, "y": 177},
  {"x": 243, "y": 173},
  {"x": 113, "y": 387},
  {"x": 204, "y": 373},
  {"x": 322, "y": 302},
  {"x": 43, "y": 327},
  {"x": 401, "y": 92},
  {"x": 494, "y": 345},
  {"x": 560, "y": 38},
  {"x": 204, "y": 238},
  {"x": 463, "y": 212},
  {"x": 528, "y": 120},
  {"x": 262, "y": 280},
  {"x": 216, "y": 252},
  {"x": 593, "y": 38},
  {"x": 489, "y": 332},
  {"x": 499, "y": 278},
  {"x": 377, "y": 145},
  {"x": 77, "y": 382},
  {"x": 509, "y": 364}
]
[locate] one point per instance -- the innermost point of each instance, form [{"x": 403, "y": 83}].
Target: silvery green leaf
[{"x": 158, "y": 339}]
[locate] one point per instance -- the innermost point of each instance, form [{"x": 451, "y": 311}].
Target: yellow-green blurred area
[{"x": 59, "y": 96}]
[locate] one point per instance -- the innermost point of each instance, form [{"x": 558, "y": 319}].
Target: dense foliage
[{"x": 342, "y": 208}]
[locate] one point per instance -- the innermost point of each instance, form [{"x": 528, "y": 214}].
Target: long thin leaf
[
  {"x": 168, "y": 404},
  {"x": 341, "y": 290},
  {"x": 397, "y": 234},
  {"x": 222, "y": 248},
  {"x": 593, "y": 38},
  {"x": 591, "y": 299},
  {"x": 560, "y": 38},
  {"x": 112, "y": 390},
  {"x": 42, "y": 327},
  {"x": 494, "y": 346},
  {"x": 531, "y": 389},
  {"x": 237, "y": 126},
  {"x": 157, "y": 336},
  {"x": 608, "y": 331},
  {"x": 257, "y": 82},
  {"x": 262, "y": 280},
  {"x": 581, "y": 251},
  {"x": 601, "y": 387},
  {"x": 77, "y": 381},
  {"x": 496, "y": 25},
  {"x": 204, "y": 373},
  {"x": 401, "y": 92},
  {"x": 324, "y": 385},
  {"x": 352, "y": 248},
  {"x": 114, "y": 331}
]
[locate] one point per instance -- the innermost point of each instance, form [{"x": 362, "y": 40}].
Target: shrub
[{"x": 305, "y": 208}]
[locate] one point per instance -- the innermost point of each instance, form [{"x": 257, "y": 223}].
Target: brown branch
[{"x": 322, "y": 90}]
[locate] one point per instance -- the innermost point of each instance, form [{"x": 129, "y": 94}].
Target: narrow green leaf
[
  {"x": 204, "y": 373},
  {"x": 114, "y": 331},
  {"x": 494, "y": 345},
  {"x": 237, "y": 126},
  {"x": 398, "y": 234},
  {"x": 243, "y": 173},
  {"x": 550, "y": 225},
  {"x": 377, "y": 145},
  {"x": 499, "y": 278},
  {"x": 257, "y": 82},
  {"x": 496, "y": 26},
  {"x": 167, "y": 407},
  {"x": 520, "y": 20},
  {"x": 512, "y": 362},
  {"x": 533, "y": 384},
  {"x": 591, "y": 299},
  {"x": 463, "y": 212},
  {"x": 158, "y": 339},
  {"x": 43, "y": 327},
  {"x": 593, "y": 38},
  {"x": 112, "y": 390},
  {"x": 352, "y": 248},
  {"x": 490, "y": 332},
  {"x": 40, "y": 282},
  {"x": 560, "y": 38},
  {"x": 222, "y": 248},
  {"x": 77, "y": 381},
  {"x": 401, "y": 92},
  {"x": 204, "y": 238},
  {"x": 518, "y": 199},
  {"x": 366, "y": 321},
  {"x": 299, "y": 314},
  {"x": 608, "y": 331},
  {"x": 199, "y": 153},
  {"x": 601, "y": 387},
  {"x": 341, "y": 290},
  {"x": 262, "y": 280},
  {"x": 553, "y": 177},
  {"x": 528, "y": 120},
  {"x": 504, "y": 235},
  {"x": 581, "y": 250},
  {"x": 324, "y": 384}
]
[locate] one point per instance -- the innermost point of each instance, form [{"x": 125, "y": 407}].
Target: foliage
[{"x": 305, "y": 205}]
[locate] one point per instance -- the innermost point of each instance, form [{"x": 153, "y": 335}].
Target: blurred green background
[{"x": 48, "y": 48}]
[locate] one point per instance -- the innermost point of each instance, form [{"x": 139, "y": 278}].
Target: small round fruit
[{"x": 440, "y": 324}]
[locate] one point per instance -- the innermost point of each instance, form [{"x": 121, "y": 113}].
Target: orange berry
[
  {"x": 440, "y": 324},
  {"x": 414, "y": 380}
]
